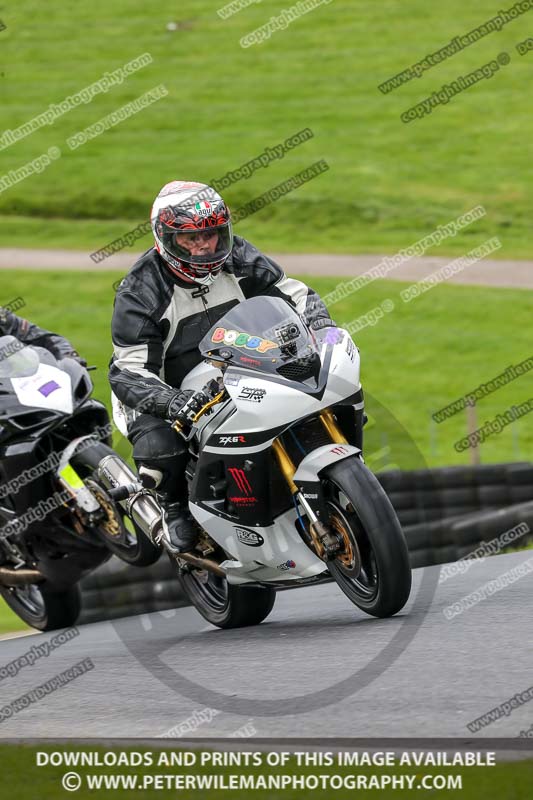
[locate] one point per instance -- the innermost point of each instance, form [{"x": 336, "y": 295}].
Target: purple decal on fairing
[{"x": 48, "y": 388}]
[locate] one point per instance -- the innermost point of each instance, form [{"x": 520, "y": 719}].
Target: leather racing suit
[{"x": 158, "y": 322}]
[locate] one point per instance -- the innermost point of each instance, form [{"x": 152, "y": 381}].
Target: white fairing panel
[
  {"x": 311, "y": 465},
  {"x": 197, "y": 378},
  {"x": 343, "y": 379},
  {"x": 262, "y": 405},
  {"x": 48, "y": 388},
  {"x": 275, "y": 553}
]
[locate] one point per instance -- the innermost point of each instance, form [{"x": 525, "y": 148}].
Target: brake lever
[{"x": 213, "y": 390}]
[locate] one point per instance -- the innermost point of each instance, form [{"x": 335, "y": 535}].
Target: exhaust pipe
[
  {"x": 18, "y": 577},
  {"x": 202, "y": 563},
  {"x": 141, "y": 508}
]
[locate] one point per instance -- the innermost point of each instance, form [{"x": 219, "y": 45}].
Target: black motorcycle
[{"x": 57, "y": 521}]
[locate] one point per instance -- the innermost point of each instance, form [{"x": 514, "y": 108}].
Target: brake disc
[
  {"x": 350, "y": 557},
  {"x": 112, "y": 523}
]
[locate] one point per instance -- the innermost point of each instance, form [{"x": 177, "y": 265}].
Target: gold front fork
[
  {"x": 317, "y": 529},
  {"x": 285, "y": 461},
  {"x": 285, "y": 464},
  {"x": 328, "y": 421},
  {"x": 288, "y": 469}
]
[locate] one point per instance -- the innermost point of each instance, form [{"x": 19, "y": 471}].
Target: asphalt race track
[{"x": 317, "y": 667}]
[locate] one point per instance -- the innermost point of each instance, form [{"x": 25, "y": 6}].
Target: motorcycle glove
[
  {"x": 163, "y": 404},
  {"x": 182, "y": 405}
]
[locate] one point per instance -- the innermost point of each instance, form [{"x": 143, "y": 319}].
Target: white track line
[{"x": 17, "y": 635}]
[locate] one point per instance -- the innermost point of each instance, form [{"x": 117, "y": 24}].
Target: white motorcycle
[{"x": 277, "y": 485}]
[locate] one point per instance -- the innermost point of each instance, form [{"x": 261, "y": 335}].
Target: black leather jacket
[
  {"x": 28, "y": 333},
  {"x": 159, "y": 320}
]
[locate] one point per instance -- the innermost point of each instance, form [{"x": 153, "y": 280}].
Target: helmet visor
[{"x": 199, "y": 248}]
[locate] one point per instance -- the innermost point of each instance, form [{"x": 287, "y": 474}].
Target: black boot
[{"x": 180, "y": 527}]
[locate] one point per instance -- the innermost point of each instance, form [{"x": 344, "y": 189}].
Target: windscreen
[
  {"x": 16, "y": 359},
  {"x": 266, "y": 334}
]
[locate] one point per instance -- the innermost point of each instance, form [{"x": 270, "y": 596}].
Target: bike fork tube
[
  {"x": 288, "y": 469},
  {"x": 328, "y": 421},
  {"x": 326, "y": 545},
  {"x": 285, "y": 464}
]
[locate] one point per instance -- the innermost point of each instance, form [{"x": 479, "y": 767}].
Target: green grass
[
  {"x": 9, "y": 622},
  {"x": 504, "y": 781},
  {"x": 389, "y": 183}
]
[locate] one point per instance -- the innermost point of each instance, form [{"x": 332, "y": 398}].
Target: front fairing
[
  {"x": 265, "y": 335},
  {"x": 36, "y": 390}
]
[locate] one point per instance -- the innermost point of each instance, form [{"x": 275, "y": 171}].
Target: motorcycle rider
[
  {"x": 30, "y": 334},
  {"x": 169, "y": 300}
]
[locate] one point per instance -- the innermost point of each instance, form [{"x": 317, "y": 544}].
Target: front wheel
[
  {"x": 43, "y": 608},
  {"x": 223, "y": 604},
  {"x": 372, "y": 568}
]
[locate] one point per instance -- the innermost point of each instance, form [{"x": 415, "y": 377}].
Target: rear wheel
[
  {"x": 223, "y": 604},
  {"x": 120, "y": 534},
  {"x": 43, "y": 608},
  {"x": 372, "y": 568}
]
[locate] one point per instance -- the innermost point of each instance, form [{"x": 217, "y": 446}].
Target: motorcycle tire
[
  {"x": 223, "y": 604},
  {"x": 40, "y": 607},
  {"x": 373, "y": 569}
]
